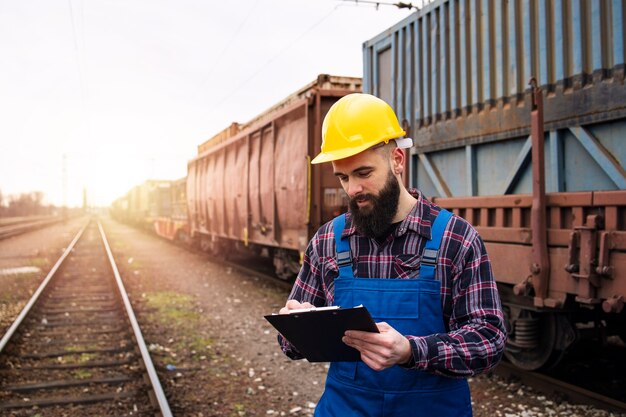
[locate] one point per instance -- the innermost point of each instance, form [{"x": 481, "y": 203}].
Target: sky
[{"x": 102, "y": 95}]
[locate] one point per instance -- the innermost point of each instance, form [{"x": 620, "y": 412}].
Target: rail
[
  {"x": 14, "y": 226},
  {"x": 29, "y": 305},
  {"x": 145, "y": 355},
  {"x": 74, "y": 317},
  {"x": 549, "y": 385}
]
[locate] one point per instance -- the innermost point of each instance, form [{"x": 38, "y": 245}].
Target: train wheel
[
  {"x": 205, "y": 244},
  {"x": 212, "y": 247},
  {"x": 620, "y": 328},
  {"x": 286, "y": 266},
  {"x": 537, "y": 340}
]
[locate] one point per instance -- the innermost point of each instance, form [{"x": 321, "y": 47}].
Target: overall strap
[
  {"x": 344, "y": 260},
  {"x": 431, "y": 251}
]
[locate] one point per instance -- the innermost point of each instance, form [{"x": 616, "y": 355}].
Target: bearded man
[{"x": 421, "y": 271}]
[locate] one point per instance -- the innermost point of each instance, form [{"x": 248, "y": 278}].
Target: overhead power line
[
  {"x": 399, "y": 5},
  {"x": 273, "y": 58},
  {"x": 228, "y": 45},
  {"x": 78, "y": 36}
]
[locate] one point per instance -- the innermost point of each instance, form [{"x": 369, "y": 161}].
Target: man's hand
[
  {"x": 380, "y": 350},
  {"x": 294, "y": 305}
]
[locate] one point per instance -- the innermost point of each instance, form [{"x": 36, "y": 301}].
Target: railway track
[
  {"x": 16, "y": 226},
  {"x": 561, "y": 388},
  {"x": 76, "y": 348}
]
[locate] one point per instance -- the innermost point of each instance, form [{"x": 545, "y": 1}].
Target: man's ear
[{"x": 397, "y": 161}]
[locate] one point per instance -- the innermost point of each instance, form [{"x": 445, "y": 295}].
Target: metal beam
[
  {"x": 523, "y": 158},
  {"x": 435, "y": 176},
  {"x": 470, "y": 170},
  {"x": 601, "y": 155},
  {"x": 557, "y": 179}
]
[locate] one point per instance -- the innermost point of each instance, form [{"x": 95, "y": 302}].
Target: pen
[{"x": 305, "y": 310}]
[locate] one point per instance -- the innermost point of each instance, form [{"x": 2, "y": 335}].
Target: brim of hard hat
[{"x": 401, "y": 143}]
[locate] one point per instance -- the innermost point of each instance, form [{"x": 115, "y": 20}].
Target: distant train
[
  {"x": 156, "y": 205},
  {"x": 456, "y": 72}
]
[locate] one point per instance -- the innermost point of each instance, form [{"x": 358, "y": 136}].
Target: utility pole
[{"x": 64, "y": 179}]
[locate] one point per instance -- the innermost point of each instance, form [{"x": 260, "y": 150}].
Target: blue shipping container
[{"x": 457, "y": 74}]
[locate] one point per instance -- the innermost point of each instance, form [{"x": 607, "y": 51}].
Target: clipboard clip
[{"x": 306, "y": 310}]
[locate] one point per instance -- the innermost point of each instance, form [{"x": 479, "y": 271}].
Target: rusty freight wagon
[
  {"x": 252, "y": 187},
  {"x": 540, "y": 173}
]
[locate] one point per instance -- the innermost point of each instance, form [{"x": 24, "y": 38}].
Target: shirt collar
[{"x": 418, "y": 220}]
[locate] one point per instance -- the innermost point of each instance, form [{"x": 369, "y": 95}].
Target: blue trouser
[{"x": 411, "y": 306}]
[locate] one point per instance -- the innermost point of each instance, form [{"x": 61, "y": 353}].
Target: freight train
[
  {"x": 252, "y": 189},
  {"x": 538, "y": 170}
]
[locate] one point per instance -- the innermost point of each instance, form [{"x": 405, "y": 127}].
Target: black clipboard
[{"x": 317, "y": 333}]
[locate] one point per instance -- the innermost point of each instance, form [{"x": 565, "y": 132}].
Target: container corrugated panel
[
  {"x": 457, "y": 74},
  {"x": 259, "y": 186},
  {"x": 179, "y": 199}
]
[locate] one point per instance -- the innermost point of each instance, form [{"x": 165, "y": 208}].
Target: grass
[
  {"x": 39, "y": 262},
  {"x": 239, "y": 410},
  {"x": 80, "y": 359},
  {"x": 78, "y": 348},
  {"x": 199, "y": 345},
  {"x": 135, "y": 265},
  {"x": 82, "y": 374},
  {"x": 16, "y": 287},
  {"x": 119, "y": 244},
  {"x": 171, "y": 309},
  {"x": 87, "y": 357}
]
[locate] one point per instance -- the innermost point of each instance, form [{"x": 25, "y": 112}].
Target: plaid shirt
[{"x": 473, "y": 316}]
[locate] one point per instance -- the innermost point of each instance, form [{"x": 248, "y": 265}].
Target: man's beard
[{"x": 375, "y": 219}]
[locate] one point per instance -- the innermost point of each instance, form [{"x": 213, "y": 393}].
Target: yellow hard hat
[{"x": 355, "y": 123}]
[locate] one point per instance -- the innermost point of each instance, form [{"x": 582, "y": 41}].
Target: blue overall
[{"x": 411, "y": 306}]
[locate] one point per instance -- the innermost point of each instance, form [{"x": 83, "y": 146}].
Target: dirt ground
[
  {"x": 211, "y": 332},
  {"x": 215, "y": 353}
]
